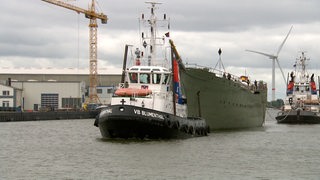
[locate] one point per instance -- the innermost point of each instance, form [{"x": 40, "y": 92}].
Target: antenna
[
  {"x": 219, "y": 63},
  {"x": 274, "y": 60},
  {"x": 152, "y": 35}
]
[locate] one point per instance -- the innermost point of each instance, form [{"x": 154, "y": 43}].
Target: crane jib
[{"x": 92, "y": 15}]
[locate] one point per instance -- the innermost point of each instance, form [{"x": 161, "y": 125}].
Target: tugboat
[
  {"x": 302, "y": 101},
  {"x": 149, "y": 102}
]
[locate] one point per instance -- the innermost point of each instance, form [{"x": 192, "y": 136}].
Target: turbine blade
[
  {"x": 265, "y": 54},
  {"x": 285, "y": 39},
  {"x": 285, "y": 82}
]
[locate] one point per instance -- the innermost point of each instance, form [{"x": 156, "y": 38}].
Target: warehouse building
[
  {"x": 105, "y": 77},
  {"x": 51, "y": 95},
  {"x": 53, "y": 89}
]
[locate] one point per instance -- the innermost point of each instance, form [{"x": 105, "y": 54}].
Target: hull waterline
[
  {"x": 124, "y": 121},
  {"x": 298, "y": 117}
]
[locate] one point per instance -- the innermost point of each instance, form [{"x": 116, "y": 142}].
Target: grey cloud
[{"x": 37, "y": 29}]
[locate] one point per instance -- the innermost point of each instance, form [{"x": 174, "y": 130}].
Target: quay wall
[{"x": 52, "y": 115}]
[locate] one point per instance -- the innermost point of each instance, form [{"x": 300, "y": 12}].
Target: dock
[{"x": 52, "y": 115}]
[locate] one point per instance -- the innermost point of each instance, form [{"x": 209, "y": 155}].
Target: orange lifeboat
[
  {"x": 244, "y": 78},
  {"x": 133, "y": 92}
]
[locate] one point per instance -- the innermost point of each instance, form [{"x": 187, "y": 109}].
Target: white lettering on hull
[{"x": 147, "y": 114}]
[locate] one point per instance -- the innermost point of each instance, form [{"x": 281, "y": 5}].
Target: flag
[{"x": 176, "y": 80}]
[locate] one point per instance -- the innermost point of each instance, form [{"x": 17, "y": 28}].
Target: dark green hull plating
[{"x": 224, "y": 103}]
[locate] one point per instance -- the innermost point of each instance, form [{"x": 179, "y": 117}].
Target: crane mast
[{"x": 93, "y": 26}]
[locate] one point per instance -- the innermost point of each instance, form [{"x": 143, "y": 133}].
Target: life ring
[
  {"x": 168, "y": 123},
  {"x": 191, "y": 130},
  {"x": 207, "y": 129},
  {"x": 177, "y": 125},
  {"x": 184, "y": 128},
  {"x": 96, "y": 121},
  {"x": 199, "y": 131},
  {"x": 204, "y": 131}
]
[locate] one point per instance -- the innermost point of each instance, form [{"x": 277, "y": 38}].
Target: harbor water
[{"x": 74, "y": 149}]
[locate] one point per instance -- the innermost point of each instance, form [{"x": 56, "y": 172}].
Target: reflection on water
[{"x": 74, "y": 149}]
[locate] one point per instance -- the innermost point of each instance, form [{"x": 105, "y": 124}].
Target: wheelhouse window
[
  {"x": 156, "y": 78},
  {"x": 144, "y": 78},
  {"x": 166, "y": 79},
  {"x": 133, "y": 77}
]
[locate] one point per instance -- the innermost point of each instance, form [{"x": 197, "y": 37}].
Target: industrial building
[
  {"x": 51, "y": 95},
  {"x": 10, "y": 97},
  {"x": 35, "y": 90}
]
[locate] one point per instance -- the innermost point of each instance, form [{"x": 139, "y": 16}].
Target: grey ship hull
[{"x": 224, "y": 103}]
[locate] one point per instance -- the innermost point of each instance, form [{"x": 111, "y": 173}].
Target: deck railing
[{"x": 222, "y": 74}]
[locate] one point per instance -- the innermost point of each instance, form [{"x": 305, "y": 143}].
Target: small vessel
[
  {"x": 148, "y": 102},
  {"x": 224, "y": 100},
  {"x": 302, "y": 101}
]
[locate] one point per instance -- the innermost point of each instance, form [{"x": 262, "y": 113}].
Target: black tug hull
[
  {"x": 298, "y": 117},
  {"x": 125, "y": 121}
]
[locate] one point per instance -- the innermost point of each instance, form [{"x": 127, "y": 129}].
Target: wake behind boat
[
  {"x": 302, "y": 101},
  {"x": 149, "y": 103}
]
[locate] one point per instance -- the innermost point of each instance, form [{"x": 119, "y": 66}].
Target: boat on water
[
  {"x": 224, "y": 100},
  {"x": 302, "y": 101},
  {"x": 149, "y": 102}
]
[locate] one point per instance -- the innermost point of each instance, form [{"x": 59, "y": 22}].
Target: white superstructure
[
  {"x": 149, "y": 87},
  {"x": 149, "y": 82},
  {"x": 301, "y": 90}
]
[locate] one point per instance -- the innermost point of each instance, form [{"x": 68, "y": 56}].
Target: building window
[
  {"x": 110, "y": 91},
  {"x": 5, "y": 103},
  {"x": 50, "y": 100},
  {"x": 71, "y": 103},
  {"x": 5, "y": 93},
  {"x": 99, "y": 91}
]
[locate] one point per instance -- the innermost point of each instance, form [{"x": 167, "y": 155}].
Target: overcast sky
[{"x": 36, "y": 34}]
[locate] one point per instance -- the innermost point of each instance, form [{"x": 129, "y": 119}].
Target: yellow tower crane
[{"x": 93, "y": 16}]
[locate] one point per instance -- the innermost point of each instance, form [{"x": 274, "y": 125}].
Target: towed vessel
[
  {"x": 224, "y": 100},
  {"x": 149, "y": 102},
  {"x": 301, "y": 104}
]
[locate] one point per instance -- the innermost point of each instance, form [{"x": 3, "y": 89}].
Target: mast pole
[
  {"x": 124, "y": 63},
  {"x": 153, "y": 29},
  {"x": 172, "y": 79}
]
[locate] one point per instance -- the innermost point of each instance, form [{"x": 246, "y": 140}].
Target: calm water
[{"x": 73, "y": 149}]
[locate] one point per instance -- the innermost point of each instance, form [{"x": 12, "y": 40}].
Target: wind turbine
[{"x": 274, "y": 60}]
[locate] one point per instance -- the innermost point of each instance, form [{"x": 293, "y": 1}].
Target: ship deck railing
[
  {"x": 222, "y": 74},
  {"x": 306, "y": 107}
]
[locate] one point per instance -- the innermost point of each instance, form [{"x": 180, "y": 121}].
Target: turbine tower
[{"x": 274, "y": 60}]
